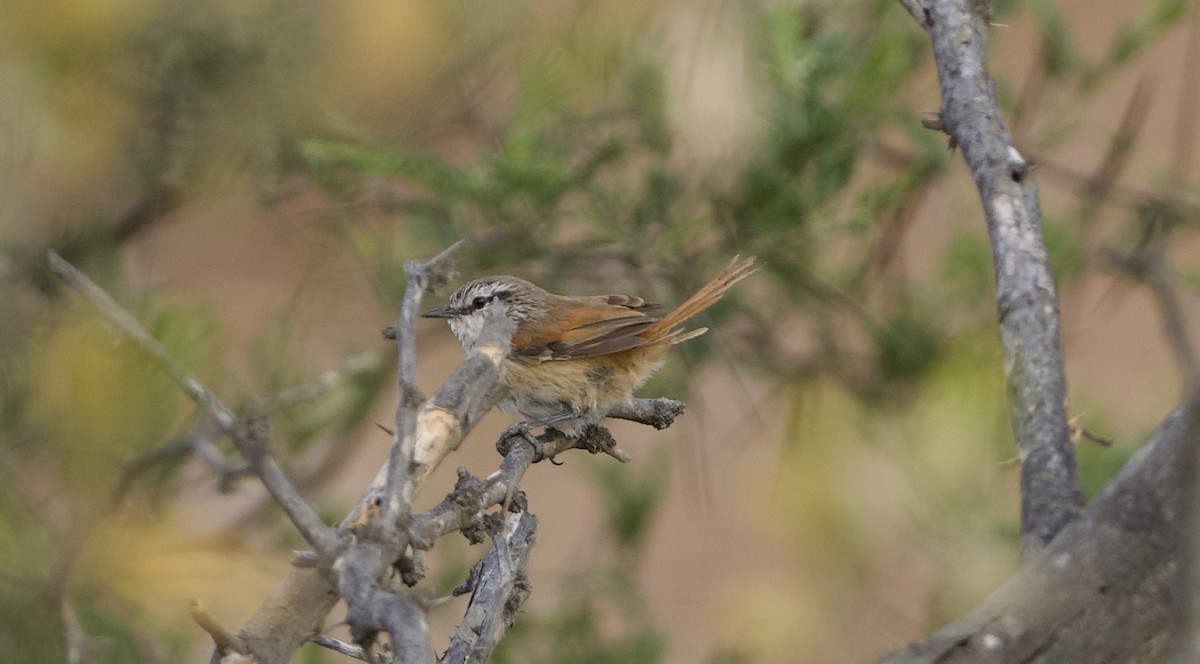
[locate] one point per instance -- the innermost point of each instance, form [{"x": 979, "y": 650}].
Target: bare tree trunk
[{"x": 1108, "y": 582}]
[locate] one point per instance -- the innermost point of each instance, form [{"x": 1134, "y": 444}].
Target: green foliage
[
  {"x": 1066, "y": 251},
  {"x": 630, "y": 498},
  {"x": 962, "y": 269},
  {"x": 111, "y": 637},
  {"x": 907, "y": 346},
  {"x": 29, "y": 612},
  {"x": 1098, "y": 465},
  {"x": 1059, "y": 54}
]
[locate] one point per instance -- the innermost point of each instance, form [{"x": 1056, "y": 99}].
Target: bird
[{"x": 573, "y": 358}]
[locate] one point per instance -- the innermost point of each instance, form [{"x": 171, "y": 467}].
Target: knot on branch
[
  {"x": 466, "y": 489},
  {"x": 253, "y": 435},
  {"x": 466, "y": 499},
  {"x": 470, "y": 583},
  {"x": 411, "y": 568},
  {"x": 599, "y": 440},
  {"x": 493, "y": 523},
  {"x": 436, "y": 272},
  {"x": 474, "y": 530},
  {"x": 411, "y": 398},
  {"x": 517, "y": 501},
  {"x": 521, "y": 589}
]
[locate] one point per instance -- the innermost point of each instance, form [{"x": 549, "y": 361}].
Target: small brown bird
[{"x": 573, "y": 358}]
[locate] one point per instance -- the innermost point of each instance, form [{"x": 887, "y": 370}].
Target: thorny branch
[
  {"x": 1108, "y": 582},
  {"x": 1027, "y": 301}
]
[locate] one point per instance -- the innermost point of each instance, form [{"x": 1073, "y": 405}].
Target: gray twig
[
  {"x": 422, "y": 277},
  {"x": 349, "y": 649},
  {"x": 128, "y": 326},
  {"x": 500, "y": 588},
  {"x": 659, "y": 413},
  {"x": 200, "y": 442},
  {"x": 251, "y": 438}
]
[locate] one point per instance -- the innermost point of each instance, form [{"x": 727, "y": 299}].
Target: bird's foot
[{"x": 521, "y": 431}]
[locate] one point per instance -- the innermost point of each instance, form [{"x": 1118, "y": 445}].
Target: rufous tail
[{"x": 668, "y": 330}]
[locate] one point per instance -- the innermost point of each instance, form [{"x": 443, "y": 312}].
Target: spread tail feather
[{"x": 668, "y": 330}]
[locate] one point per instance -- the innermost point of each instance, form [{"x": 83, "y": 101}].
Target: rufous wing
[{"x": 587, "y": 327}]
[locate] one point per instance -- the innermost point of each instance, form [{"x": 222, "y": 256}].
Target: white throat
[{"x": 468, "y": 328}]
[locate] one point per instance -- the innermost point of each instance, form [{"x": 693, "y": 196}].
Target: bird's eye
[{"x": 479, "y": 302}]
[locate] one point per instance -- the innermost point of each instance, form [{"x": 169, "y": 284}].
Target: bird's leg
[
  {"x": 557, "y": 418},
  {"x": 522, "y": 430}
]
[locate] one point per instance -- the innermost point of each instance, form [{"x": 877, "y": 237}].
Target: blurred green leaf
[
  {"x": 1153, "y": 19},
  {"x": 630, "y": 498}
]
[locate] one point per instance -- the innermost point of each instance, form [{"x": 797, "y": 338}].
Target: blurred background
[{"x": 248, "y": 177}]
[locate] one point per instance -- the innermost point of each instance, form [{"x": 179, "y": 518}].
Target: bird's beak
[{"x": 440, "y": 312}]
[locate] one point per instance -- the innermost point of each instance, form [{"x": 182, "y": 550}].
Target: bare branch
[
  {"x": 465, "y": 397},
  {"x": 349, "y": 649},
  {"x": 251, "y": 438},
  {"x": 129, "y": 327},
  {"x": 372, "y": 609},
  {"x": 439, "y": 427},
  {"x": 287, "y": 619},
  {"x": 202, "y": 439},
  {"x": 464, "y": 507},
  {"x": 422, "y": 277},
  {"x": 225, "y": 640},
  {"x": 659, "y": 413},
  {"x": 81, "y": 647},
  {"x": 1026, "y": 296},
  {"x": 388, "y": 536},
  {"x": 1102, "y": 583},
  {"x": 500, "y": 588}
]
